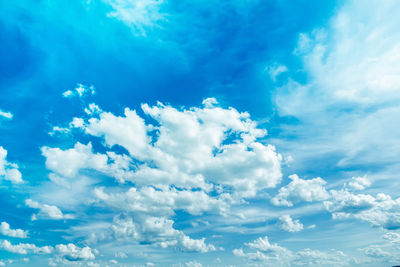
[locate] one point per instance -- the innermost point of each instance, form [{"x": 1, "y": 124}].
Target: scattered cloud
[
  {"x": 141, "y": 15},
  {"x": 359, "y": 183},
  {"x": 299, "y": 190},
  {"x": 275, "y": 255},
  {"x": 381, "y": 210},
  {"x": 275, "y": 70},
  {"x": 288, "y": 224},
  {"x": 47, "y": 211},
  {"x": 6, "y": 230},
  {"x": 6, "y": 114},
  {"x": 80, "y": 91},
  {"x": 73, "y": 253},
  {"x": 25, "y": 248},
  {"x": 9, "y": 171}
]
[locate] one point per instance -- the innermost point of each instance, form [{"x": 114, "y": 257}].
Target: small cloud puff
[
  {"x": 275, "y": 70},
  {"x": 301, "y": 190},
  {"x": 9, "y": 171},
  {"x": 6, "y": 230},
  {"x": 288, "y": 224},
  {"x": 5, "y": 114},
  {"x": 47, "y": 211},
  {"x": 80, "y": 91},
  {"x": 359, "y": 183}
]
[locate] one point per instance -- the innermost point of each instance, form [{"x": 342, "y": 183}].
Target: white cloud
[
  {"x": 393, "y": 237},
  {"x": 7, "y": 115},
  {"x": 158, "y": 231},
  {"x": 196, "y": 160},
  {"x": 275, "y": 255},
  {"x": 9, "y": 171},
  {"x": 193, "y": 264},
  {"x": 308, "y": 257},
  {"x": 6, "y": 230},
  {"x": 68, "y": 162},
  {"x": 381, "y": 210},
  {"x": 93, "y": 109},
  {"x": 349, "y": 105},
  {"x": 275, "y": 70},
  {"x": 359, "y": 183},
  {"x": 271, "y": 254},
  {"x": 200, "y": 155},
  {"x": 129, "y": 132},
  {"x": 263, "y": 244},
  {"x": 73, "y": 253},
  {"x": 301, "y": 190},
  {"x": 162, "y": 202},
  {"x": 47, "y": 211},
  {"x": 286, "y": 223},
  {"x": 23, "y": 248},
  {"x": 141, "y": 15},
  {"x": 80, "y": 91},
  {"x": 76, "y": 123},
  {"x": 376, "y": 252}
]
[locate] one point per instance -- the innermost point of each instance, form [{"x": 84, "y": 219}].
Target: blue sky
[{"x": 199, "y": 133}]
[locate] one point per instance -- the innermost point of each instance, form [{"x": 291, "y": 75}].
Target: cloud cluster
[
  {"x": 154, "y": 230},
  {"x": 197, "y": 160},
  {"x": 73, "y": 253},
  {"x": 359, "y": 183},
  {"x": 6, "y": 230},
  {"x": 80, "y": 91},
  {"x": 47, "y": 211},
  {"x": 274, "y": 255},
  {"x": 288, "y": 224},
  {"x": 299, "y": 190},
  {"x": 382, "y": 210},
  {"x": 9, "y": 171},
  {"x": 25, "y": 248},
  {"x": 65, "y": 254}
]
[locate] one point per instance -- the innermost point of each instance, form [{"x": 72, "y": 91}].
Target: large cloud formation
[{"x": 196, "y": 160}]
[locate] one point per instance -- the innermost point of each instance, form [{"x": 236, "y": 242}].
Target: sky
[{"x": 199, "y": 133}]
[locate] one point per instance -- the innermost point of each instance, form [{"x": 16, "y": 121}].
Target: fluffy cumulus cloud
[
  {"x": 188, "y": 147},
  {"x": 47, "y": 211},
  {"x": 155, "y": 230},
  {"x": 25, "y": 248},
  {"x": 6, "y": 230},
  {"x": 381, "y": 210},
  {"x": 359, "y": 183},
  {"x": 80, "y": 91},
  {"x": 73, "y": 253},
  {"x": 286, "y": 223},
  {"x": 197, "y": 160},
  {"x": 299, "y": 190},
  {"x": 9, "y": 171}
]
